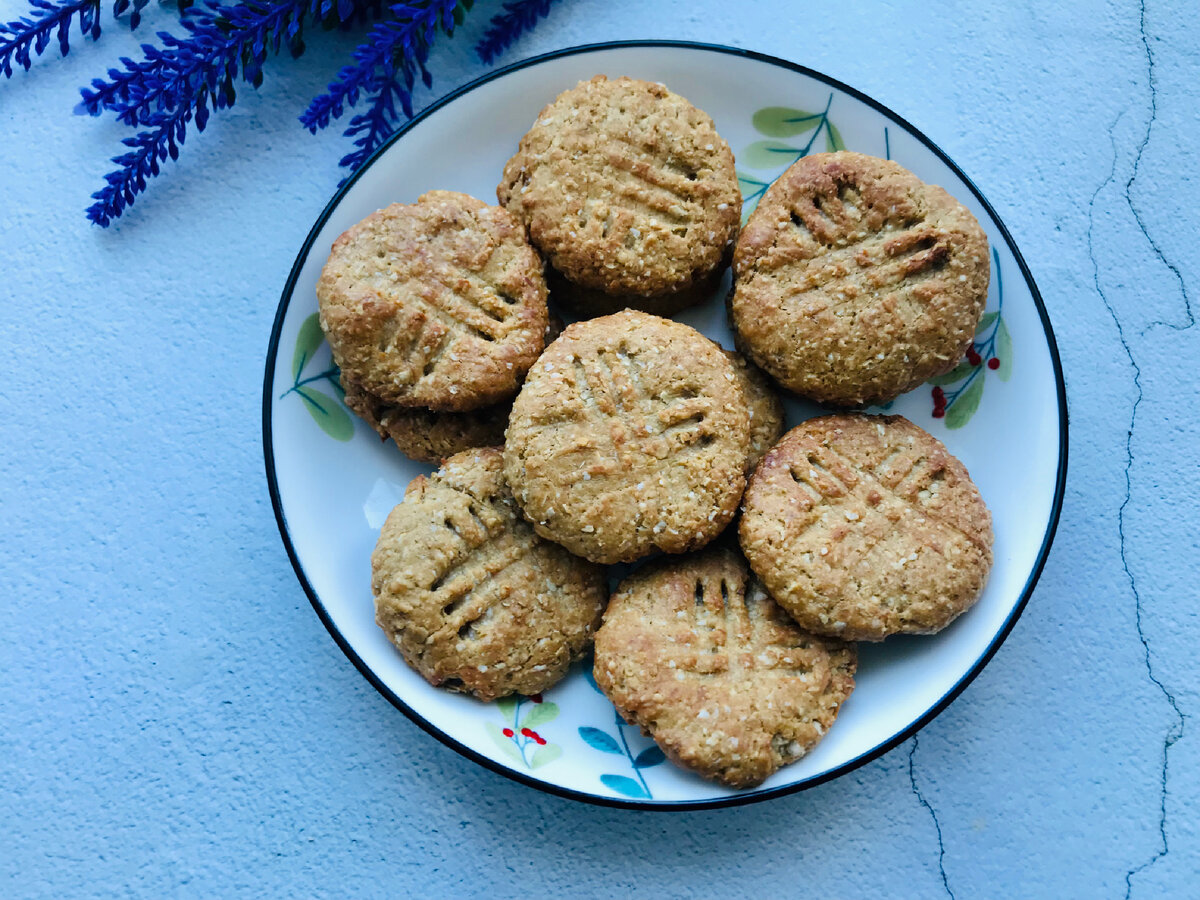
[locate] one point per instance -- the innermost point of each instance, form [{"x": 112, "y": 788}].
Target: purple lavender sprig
[
  {"x": 29, "y": 36},
  {"x": 385, "y": 68},
  {"x": 120, "y": 7},
  {"x": 188, "y": 78},
  {"x": 518, "y": 17},
  {"x": 370, "y": 128},
  {"x": 180, "y": 81}
]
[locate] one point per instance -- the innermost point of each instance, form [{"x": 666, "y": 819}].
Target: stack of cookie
[{"x": 633, "y": 436}]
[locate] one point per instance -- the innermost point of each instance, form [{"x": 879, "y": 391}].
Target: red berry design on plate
[
  {"x": 536, "y": 698},
  {"x": 939, "y": 403},
  {"x": 508, "y": 732},
  {"x": 973, "y": 357},
  {"x": 993, "y": 363}
]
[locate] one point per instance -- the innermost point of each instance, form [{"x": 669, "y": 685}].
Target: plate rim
[{"x": 664, "y": 805}]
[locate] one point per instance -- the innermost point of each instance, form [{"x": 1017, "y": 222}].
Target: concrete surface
[{"x": 174, "y": 720}]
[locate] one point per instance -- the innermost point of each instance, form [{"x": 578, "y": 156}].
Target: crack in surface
[
  {"x": 912, "y": 778},
  {"x": 1189, "y": 316},
  {"x": 1175, "y": 732}
]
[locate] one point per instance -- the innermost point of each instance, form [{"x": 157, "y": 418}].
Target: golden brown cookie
[
  {"x": 629, "y": 436},
  {"x": 430, "y": 436},
  {"x": 586, "y": 303},
  {"x": 866, "y": 526},
  {"x": 474, "y": 599},
  {"x": 424, "y": 434},
  {"x": 854, "y": 281},
  {"x": 629, "y": 192},
  {"x": 440, "y": 304},
  {"x": 695, "y": 652},
  {"x": 763, "y": 404}
]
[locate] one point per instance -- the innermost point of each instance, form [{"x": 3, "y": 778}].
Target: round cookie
[
  {"x": 440, "y": 304},
  {"x": 695, "y": 652},
  {"x": 854, "y": 281},
  {"x": 629, "y": 436},
  {"x": 425, "y": 435},
  {"x": 866, "y": 526},
  {"x": 473, "y": 599},
  {"x": 430, "y": 436},
  {"x": 763, "y": 404},
  {"x": 629, "y": 192}
]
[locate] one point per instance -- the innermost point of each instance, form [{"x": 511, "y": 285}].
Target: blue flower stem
[
  {"x": 823, "y": 124},
  {"x": 988, "y": 347},
  {"x": 517, "y": 737},
  {"x": 629, "y": 756},
  {"x": 328, "y": 373}
]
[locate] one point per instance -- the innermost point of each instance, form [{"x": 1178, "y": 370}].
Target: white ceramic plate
[{"x": 332, "y": 482}]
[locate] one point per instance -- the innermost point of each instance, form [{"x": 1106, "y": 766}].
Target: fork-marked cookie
[
  {"x": 629, "y": 192},
  {"x": 866, "y": 526},
  {"x": 474, "y": 600},
  {"x": 854, "y": 281},
  {"x": 629, "y": 436},
  {"x": 440, "y": 304},
  {"x": 694, "y": 651}
]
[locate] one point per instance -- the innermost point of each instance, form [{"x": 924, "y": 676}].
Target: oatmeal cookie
[
  {"x": 763, "y": 404},
  {"x": 629, "y": 192},
  {"x": 474, "y": 600},
  {"x": 629, "y": 436},
  {"x": 440, "y": 304},
  {"x": 694, "y": 651},
  {"x": 854, "y": 281},
  {"x": 430, "y": 436},
  {"x": 866, "y": 526},
  {"x": 424, "y": 434}
]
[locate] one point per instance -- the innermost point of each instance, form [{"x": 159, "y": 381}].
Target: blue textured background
[{"x": 174, "y": 720}]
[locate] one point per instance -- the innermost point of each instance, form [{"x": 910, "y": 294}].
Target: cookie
[
  {"x": 866, "y": 526},
  {"x": 695, "y": 652},
  {"x": 762, "y": 403},
  {"x": 474, "y": 600},
  {"x": 424, "y": 434},
  {"x": 440, "y": 304},
  {"x": 629, "y": 436},
  {"x": 430, "y": 436},
  {"x": 629, "y": 192},
  {"x": 854, "y": 281},
  {"x": 586, "y": 303}
]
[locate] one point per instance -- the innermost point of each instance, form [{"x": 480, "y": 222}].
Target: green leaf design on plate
[
  {"x": 540, "y": 714},
  {"x": 833, "y": 137},
  {"x": 328, "y": 413},
  {"x": 1004, "y": 351},
  {"x": 752, "y": 190},
  {"x": 600, "y": 740},
  {"x": 651, "y": 756},
  {"x": 750, "y": 185},
  {"x": 965, "y": 404},
  {"x": 509, "y": 748},
  {"x": 783, "y": 121},
  {"x": 307, "y": 342},
  {"x": 769, "y": 155},
  {"x": 958, "y": 373},
  {"x": 623, "y": 785},
  {"x": 506, "y": 705},
  {"x": 985, "y": 322},
  {"x": 545, "y": 754}
]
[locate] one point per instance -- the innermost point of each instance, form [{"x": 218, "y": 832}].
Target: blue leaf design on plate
[
  {"x": 623, "y": 785},
  {"x": 651, "y": 756},
  {"x": 600, "y": 740}
]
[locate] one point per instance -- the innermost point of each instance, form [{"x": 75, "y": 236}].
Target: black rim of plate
[{"x": 736, "y": 799}]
